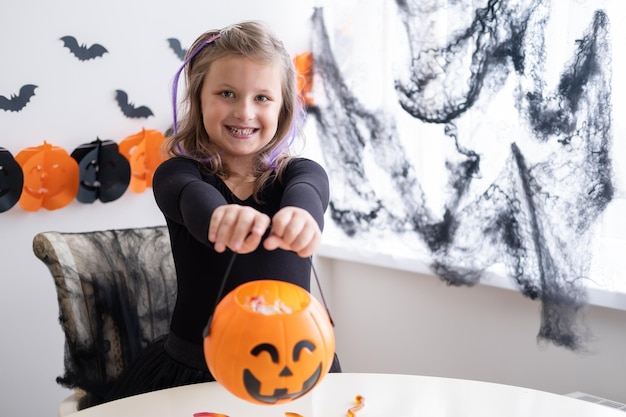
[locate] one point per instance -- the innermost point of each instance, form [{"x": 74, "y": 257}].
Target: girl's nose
[{"x": 244, "y": 111}]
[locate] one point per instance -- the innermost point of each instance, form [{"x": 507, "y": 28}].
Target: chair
[{"x": 116, "y": 291}]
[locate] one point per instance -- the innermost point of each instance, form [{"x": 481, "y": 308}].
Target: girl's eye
[
  {"x": 262, "y": 98},
  {"x": 227, "y": 94}
]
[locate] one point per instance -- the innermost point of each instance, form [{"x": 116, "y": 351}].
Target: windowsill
[{"x": 597, "y": 295}]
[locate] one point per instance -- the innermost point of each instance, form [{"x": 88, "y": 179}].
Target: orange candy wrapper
[{"x": 359, "y": 403}]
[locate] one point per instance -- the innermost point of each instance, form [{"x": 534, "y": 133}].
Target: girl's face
[{"x": 241, "y": 100}]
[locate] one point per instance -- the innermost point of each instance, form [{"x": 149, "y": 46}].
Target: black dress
[{"x": 187, "y": 196}]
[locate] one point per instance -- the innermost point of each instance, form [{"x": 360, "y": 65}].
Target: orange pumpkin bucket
[{"x": 269, "y": 342}]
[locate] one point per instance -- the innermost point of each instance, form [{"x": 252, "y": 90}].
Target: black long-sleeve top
[{"x": 187, "y": 196}]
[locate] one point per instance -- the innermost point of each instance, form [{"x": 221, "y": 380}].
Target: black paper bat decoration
[
  {"x": 104, "y": 172},
  {"x": 18, "y": 102},
  {"x": 177, "y": 48},
  {"x": 129, "y": 109},
  {"x": 11, "y": 180},
  {"x": 82, "y": 52}
]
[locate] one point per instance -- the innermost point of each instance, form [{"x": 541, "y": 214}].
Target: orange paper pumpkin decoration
[
  {"x": 304, "y": 67},
  {"x": 143, "y": 151},
  {"x": 50, "y": 177},
  {"x": 270, "y": 342}
]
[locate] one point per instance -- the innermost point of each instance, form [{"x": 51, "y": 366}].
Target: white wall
[
  {"x": 387, "y": 320},
  {"x": 74, "y": 104}
]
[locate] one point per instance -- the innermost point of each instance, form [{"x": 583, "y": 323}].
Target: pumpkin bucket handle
[
  {"x": 319, "y": 287},
  {"x": 207, "y": 328}
]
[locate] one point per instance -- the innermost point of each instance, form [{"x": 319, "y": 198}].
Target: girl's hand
[
  {"x": 239, "y": 228},
  {"x": 296, "y": 230}
]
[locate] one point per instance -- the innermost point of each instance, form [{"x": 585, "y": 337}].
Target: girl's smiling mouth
[{"x": 246, "y": 131}]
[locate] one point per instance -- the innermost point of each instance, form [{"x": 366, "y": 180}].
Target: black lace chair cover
[{"x": 116, "y": 291}]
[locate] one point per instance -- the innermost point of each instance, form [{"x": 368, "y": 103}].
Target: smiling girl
[{"x": 231, "y": 186}]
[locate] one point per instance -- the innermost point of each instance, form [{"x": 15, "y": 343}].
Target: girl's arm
[
  {"x": 298, "y": 225},
  {"x": 184, "y": 197}
]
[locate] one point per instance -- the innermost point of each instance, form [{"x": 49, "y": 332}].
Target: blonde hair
[{"x": 255, "y": 41}]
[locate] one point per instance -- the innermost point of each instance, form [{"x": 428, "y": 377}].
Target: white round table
[{"x": 385, "y": 395}]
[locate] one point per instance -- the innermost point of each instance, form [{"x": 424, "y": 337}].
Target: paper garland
[{"x": 47, "y": 176}]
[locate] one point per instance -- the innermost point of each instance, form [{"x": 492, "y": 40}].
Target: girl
[{"x": 230, "y": 186}]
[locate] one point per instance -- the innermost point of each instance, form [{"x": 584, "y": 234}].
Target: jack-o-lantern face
[
  {"x": 104, "y": 172},
  {"x": 269, "y": 357},
  {"x": 143, "y": 151},
  {"x": 50, "y": 177},
  {"x": 282, "y": 391}
]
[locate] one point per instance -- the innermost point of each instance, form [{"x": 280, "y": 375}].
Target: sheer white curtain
[{"x": 478, "y": 138}]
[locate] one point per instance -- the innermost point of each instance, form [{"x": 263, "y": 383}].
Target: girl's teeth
[{"x": 241, "y": 131}]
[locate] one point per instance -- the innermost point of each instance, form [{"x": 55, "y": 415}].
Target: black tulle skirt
[{"x": 167, "y": 362}]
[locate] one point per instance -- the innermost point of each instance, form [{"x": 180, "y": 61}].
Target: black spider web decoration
[{"x": 536, "y": 217}]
